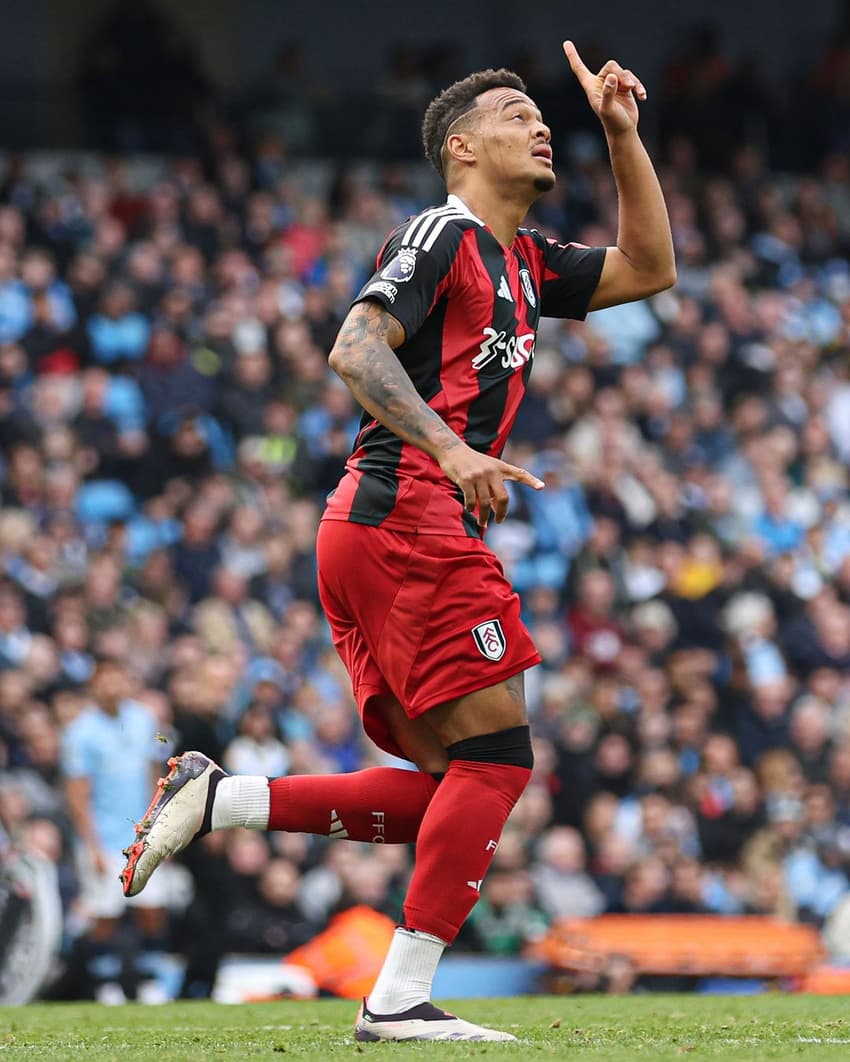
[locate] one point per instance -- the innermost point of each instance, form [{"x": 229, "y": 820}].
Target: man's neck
[{"x": 501, "y": 215}]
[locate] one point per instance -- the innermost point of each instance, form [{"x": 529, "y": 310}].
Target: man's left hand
[{"x": 612, "y": 93}]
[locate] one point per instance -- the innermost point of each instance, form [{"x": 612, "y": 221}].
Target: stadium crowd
[{"x": 169, "y": 429}]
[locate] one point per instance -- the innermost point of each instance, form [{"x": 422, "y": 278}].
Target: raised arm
[
  {"x": 364, "y": 357},
  {"x": 642, "y": 263}
]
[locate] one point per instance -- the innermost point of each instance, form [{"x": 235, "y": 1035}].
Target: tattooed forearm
[{"x": 364, "y": 357}]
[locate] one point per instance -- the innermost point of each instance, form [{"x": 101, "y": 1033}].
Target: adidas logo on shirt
[
  {"x": 504, "y": 291},
  {"x": 338, "y": 831}
]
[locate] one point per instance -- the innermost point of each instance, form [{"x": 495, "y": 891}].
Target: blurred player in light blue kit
[{"x": 110, "y": 752}]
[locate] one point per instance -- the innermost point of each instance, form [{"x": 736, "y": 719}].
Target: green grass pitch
[{"x": 592, "y": 1027}]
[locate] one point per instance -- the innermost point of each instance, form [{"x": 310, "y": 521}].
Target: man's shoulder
[
  {"x": 420, "y": 229},
  {"x": 135, "y": 714},
  {"x": 131, "y": 707},
  {"x": 436, "y": 229},
  {"x": 84, "y": 724}
]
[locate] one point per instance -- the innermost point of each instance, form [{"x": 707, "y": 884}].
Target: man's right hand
[{"x": 482, "y": 480}]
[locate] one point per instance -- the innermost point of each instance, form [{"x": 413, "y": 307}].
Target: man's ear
[{"x": 459, "y": 147}]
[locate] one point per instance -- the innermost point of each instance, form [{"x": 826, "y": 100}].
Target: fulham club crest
[
  {"x": 490, "y": 639},
  {"x": 528, "y": 287}
]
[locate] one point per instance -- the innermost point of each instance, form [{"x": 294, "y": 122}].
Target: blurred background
[{"x": 190, "y": 194}]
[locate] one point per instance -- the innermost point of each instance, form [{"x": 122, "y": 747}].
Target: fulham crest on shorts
[{"x": 490, "y": 639}]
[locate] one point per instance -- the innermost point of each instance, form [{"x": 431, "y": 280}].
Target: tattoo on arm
[
  {"x": 369, "y": 320},
  {"x": 364, "y": 356}
]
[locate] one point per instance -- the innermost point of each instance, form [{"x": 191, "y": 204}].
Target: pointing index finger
[
  {"x": 576, "y": 65},
  {"x": 519, "y": 475}
]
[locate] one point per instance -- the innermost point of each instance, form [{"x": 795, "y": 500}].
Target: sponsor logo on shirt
[
  {"x": 402, "y": 267},
  {"x": 528, "y": 287},
  {"x": 490, "y": 639},
  {"x": 514, "y": 351},
  {"x": 381, "y": 287}
]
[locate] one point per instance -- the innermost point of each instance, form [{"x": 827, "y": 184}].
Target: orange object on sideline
[
  {"x": 826, "y": 981},
  {"x": 345, "y": 958},
  {"x": 699, "y": 945}
]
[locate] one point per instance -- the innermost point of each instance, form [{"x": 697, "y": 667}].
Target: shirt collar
[{"x": 456, "y": 202}]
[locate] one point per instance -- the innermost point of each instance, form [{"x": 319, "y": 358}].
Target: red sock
[
  {"x": 459, "y": 836},
  {"x": 383, "y": 805}
]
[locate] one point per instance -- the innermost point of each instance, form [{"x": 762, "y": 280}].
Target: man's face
[
  {"x": 109, "y": 686},
  {"x": 511, "y": 139}
]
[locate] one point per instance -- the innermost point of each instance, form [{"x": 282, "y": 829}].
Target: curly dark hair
[{"x": 455, "y": 101}]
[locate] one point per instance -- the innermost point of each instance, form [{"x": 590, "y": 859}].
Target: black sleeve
[
  {"x": 408, "y": 278},
  {"x": 570, "y": 277}
]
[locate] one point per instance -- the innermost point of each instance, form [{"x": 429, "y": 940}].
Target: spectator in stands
[
  {"x": 270, "y": 920},
  {"x": 563, "y": 887},
  {"x": 505, "y": 919},
  {"x": 596, "y": 632},
  {"x": 256, "y": 750}
]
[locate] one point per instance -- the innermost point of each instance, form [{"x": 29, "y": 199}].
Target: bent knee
[
  {"x": 414, "y": 737},
  {"x": 507, "y": 748}
]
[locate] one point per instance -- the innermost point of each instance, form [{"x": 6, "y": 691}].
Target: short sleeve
[
  {"x": 571, "y": 275},
  {"x": 411, "y": 274},
  {"x": 78, "y": 760}
]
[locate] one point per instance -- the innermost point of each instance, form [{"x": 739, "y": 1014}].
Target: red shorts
[{"x": 427, "y": 618}]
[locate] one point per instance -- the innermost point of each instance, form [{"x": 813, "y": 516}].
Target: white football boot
[
  {"x": 181, "y": 810},
  {"x": 422, "y": 1022}
]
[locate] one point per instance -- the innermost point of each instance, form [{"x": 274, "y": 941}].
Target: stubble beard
[{"x": 545, "y": 183}]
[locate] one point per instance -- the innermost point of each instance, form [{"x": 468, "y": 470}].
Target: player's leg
[
  {"x": 463, "y": 667},
  {"x": 379, "y": 805},
  {"x": 488, "y": 745},
  {"x": 382, "y": 805},
  {"x": 105, "y": 956},
  {"x": 103, "y": 961},
  {"x": 196, "y": 796},
  {"x": 150, "y": 918}
]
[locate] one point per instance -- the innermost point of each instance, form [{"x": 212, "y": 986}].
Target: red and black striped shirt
[{"x": 470, "y": 309}]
